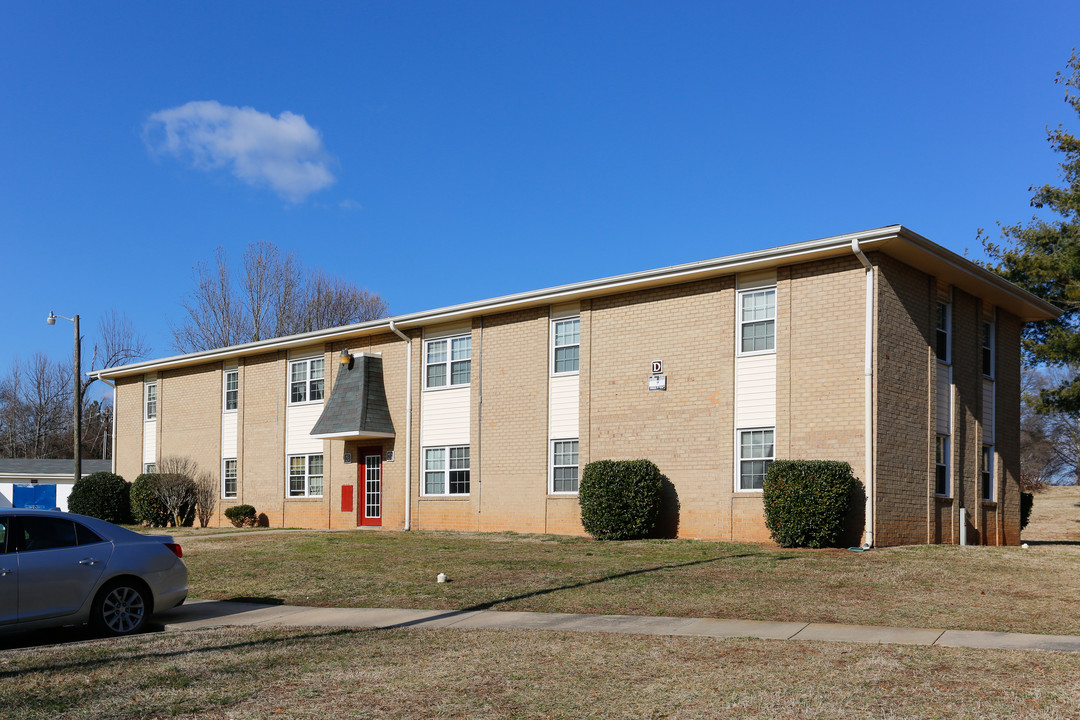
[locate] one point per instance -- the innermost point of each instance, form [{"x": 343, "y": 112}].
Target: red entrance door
[{"x": 370, "y": 481}]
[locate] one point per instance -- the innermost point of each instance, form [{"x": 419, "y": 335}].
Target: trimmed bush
[
  {"x": 101, "y": 495},
  {"x": 241, "y": 515},
  {"x": 620, "y": 499},
  {"x": 807, "y": 501},
  {"x": 1027, "y": 502},
  {"x": 146, "y": 508}
]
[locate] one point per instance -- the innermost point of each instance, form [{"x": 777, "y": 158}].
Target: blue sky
[{"x": 438, "y": 153}]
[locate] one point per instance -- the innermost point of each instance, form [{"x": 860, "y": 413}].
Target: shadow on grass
[
  {"x": 163, "y": 655},
  {"x": 584, "y": 583},
  {"x": 1074, "y": 543}
]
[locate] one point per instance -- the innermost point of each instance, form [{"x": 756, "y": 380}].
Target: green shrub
[
  {"x": 101, "y": 495},
  {"x": 807, "y": 501},
  {"x": 1027, "y": 502},
  {"x": 146, "y": 508},
  {"x": 620, "y": 499},
  {"x": 241, "y": 515}
]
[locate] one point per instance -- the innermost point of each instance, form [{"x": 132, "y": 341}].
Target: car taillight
[{"x": 176, "y": 549}]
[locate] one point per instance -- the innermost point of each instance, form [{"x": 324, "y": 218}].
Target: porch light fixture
[{"x": 345, "y": 359}]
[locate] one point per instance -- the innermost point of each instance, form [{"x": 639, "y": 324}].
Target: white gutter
[
  {"x": 408, "y": 424},
  {"x": 868, "y": 397}
]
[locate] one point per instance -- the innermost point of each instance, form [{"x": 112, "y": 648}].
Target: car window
[
  {"x": 85, "y": 535},
  {"x": 46, "y": 533},
  {"x": 3, "y": 534}
]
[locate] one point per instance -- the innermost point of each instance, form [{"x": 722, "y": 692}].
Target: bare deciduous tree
[
  {"x": 206, "y": 494},
  {"x": 273, "y": 296},
  {"x": 1049, "y": 440},
  {"x": 175, "y": 486}
]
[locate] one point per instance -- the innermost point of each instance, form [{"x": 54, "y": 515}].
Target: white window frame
[
  {"x": 308, "y": 382},
  {"x": 986, "y": 467},
  {"x": 149, "y": 468},
  {"x": 446, "y": 470},
  {"x": 552, "y": 466},
  {"x": 225, "y": 494},
  {"x": 555, "y": 322},
  {"x": 307, "y": 476},
  {"x": 942, "y": 457},
  {"x": 447, "y": 362},
  {"x": 150, "y": 405},
  {"x": 739, "y": 459},
  {"x": 947, "y": 330},
  {"x": 234, "y": 373},
  {"x": 988, "y": 346},
  {"x": 740, "y": 323}
]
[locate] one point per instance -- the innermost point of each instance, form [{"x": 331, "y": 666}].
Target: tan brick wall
[
  {"x": 686, "y": 430},
  {"x": 513, "y": 430},
  {"x": 904, "y": 423},
  {"x": 262, "y": 435},
  {"x": 189, "y": 416},
  {"x": 128, "y": 406},
  {"x": 1007, "y": 374}
]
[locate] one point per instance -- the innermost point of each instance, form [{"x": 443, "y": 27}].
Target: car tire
[{"x": 120, "y": 608}]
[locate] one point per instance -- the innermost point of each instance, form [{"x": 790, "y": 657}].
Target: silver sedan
[{"x": 59, "y": 569}]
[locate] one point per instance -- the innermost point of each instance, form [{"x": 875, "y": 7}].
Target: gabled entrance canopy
[{"x": 357, "y": 405}]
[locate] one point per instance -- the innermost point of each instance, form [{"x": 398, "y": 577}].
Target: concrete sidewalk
[{"x": 197, "y": 614}]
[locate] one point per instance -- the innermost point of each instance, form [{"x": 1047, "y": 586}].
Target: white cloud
[{"x": 283, "y": 153}]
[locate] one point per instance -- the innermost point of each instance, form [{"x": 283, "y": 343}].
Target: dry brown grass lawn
[
  {"x": 1055, "y": 516},
  {"x": 976, "y": 588},
  {"x": 246, "y": 673}
]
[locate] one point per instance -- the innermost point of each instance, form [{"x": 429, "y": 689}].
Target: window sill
[
  {"x": 306, "y": 402},
  {"x": 943, "y": 498},
  {"x": 305, "y": 497},
  {"x": 755, "y": 353},
  {"x": 571, "y": 494},
  {"x": 229, "y": 412},
  {"x": 459, "y": 386},
  {"x": 446, "y": 497},
  {"x": 568, "y": 373},
  {"x": 989, "y": 503}
]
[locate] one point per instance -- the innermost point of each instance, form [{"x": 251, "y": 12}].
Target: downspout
[
  {"x": 408, "y": 425},
  {"x": 868, "y": 397}
]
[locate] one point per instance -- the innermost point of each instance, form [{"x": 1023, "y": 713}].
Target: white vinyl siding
[
  {"x": 149, "y": 442},
  {"x": 563, "y": 406},
  {"x": 988, "y": 410},
  {"x": 229, "y": 416},
  {"x": 944, "y": 398},
  {"x": 755, "y": 390},
  {"x": 299, "y": 420},
  {"x": 444, "y": 417}
]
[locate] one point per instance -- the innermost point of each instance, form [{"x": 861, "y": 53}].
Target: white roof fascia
[{"x": 671, "y": 275}]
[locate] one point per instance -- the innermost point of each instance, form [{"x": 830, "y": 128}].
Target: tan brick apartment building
[{"x": 879, "y": 344}]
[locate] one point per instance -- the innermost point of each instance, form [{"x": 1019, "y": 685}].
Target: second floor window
[
  {"x": 941, "y": 342},
  {"x": 757, "y": 320},
  {"x": 566, "y": 345},
  {"x": 448, "y": 362},
  {"x": 988, "y": 349},
  {"x": 306, "y": 380},
  {"x": 232, "y": 389},
  {"x": 151, "y": 401}
]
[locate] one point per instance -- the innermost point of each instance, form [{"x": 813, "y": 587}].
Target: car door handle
[
  {"x": 88, "y": 561},
  {"x": 4, "y": 571}
]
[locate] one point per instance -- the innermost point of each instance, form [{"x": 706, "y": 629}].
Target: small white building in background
[{"x": 43, "y": 484}]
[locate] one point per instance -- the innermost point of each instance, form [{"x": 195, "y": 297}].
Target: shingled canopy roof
[{"x": 357, "y": 405}]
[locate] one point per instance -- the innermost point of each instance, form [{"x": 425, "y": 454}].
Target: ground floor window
[
  {"x": 228, "y": 478},
  {"x": 941, "y": 465},
  {"x": 149, "y": 468},
  {"x": 306, "y": 475},
  {"x": 756, "y": 452},
  {"x": 446, "y": 470},
  {"x": 986, "y": 472},
  {"x": 564, "y": 466}
]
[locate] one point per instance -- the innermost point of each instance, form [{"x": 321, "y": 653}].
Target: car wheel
[{"x": 120, "y": 608}]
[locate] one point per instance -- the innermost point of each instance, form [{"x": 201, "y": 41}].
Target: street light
[{"x": 51, "y": 320}]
